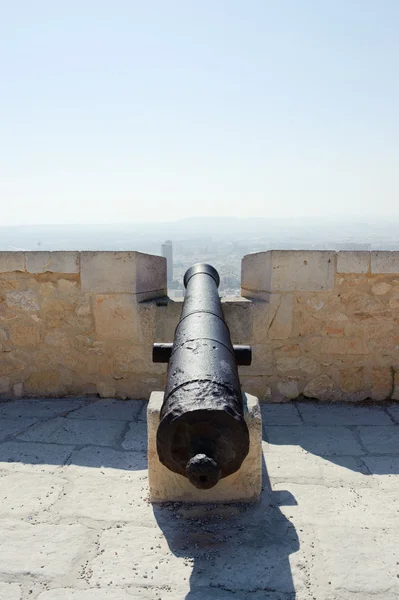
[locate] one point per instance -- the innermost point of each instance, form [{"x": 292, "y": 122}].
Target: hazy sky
[{"x": 131, "y": 110}]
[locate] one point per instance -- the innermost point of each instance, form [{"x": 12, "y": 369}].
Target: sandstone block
[
  {"x": 24, "y": 334},
  {"x": 12, "y": 261},
  {"x": 289, "y": 389},
  {"x": 381, "y": 383},
  {"x": 5, "y": 385},
  {"x": 302, "y": 364},
  {"x": 167, "y": 314},
  {"x": 239, "y": 316},
  {"x": 53, "y": 262},
  {"x": 27, "y": 301},
  {"x": 344, "y": 346},
  {"x": 124, "y": 272},
  {"x": 287, "y": 271},
  {"x": 353, "y": 262},
  {"x": 385, "y": 262},
  {"x": 44, "y": 382},
  {"x": 352, "y": 379},
  {"x": 116, "y": 317},
  {"x": 18, "y": 390},
  {"x": 395, "y": 394},
  {"x": 320, "y": 387},
  {"x": 381, "y": 288},
  {"x": 244, "y": 485},
  {"x": 281, "y": 325}
]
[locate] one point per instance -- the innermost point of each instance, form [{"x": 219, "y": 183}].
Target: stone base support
[{"x": 243, "y": 486}]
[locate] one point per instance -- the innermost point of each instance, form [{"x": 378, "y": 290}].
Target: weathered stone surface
[
  {"x": 380, "y": 440},
  {"x": 14, "y": 453},
  {"x": 281, "y": 322},
  {"x": 395, "y": 392},
  {"x": 381, "y": 383},
  {"x": 73, "y": 431},
  {"x": 373, "y": 565},
  {"x": 364, "y": 506},
  {"x": 289, "y": 389},
  {"x": 57, "y": 339},
  {"x": 381, "y": 288},
  {"x": 239, "y": 318},
  {"x": 243, "y": 485},
  {"x": 324, "y": 441},
  {"x": 123, "y": 498},
  {"x": 47, "y": 382},
  {"x": 11, "y": 261},
  {"x": 107, "y": 459},
  {"x": 287, "y": 271},
  {"x": 343, "y": 414},
  {"x": 393, "y": 410},
  {"x": 128, "y": 272},
  {"x": 325, "y": 526},
  {"x": 113, "y": 410},
  {"x": 297, "y": 466},
  {"x": 280, "y": 414},
  {"x": 135, "y": 438},
  {"x": 39, "y": 408},
  {"x": 54, "y": 262},
  {"x": 14, "y": 426},
  {"x": 92, "y": 594},
  {"x": 385, "y": 262},
  {"x": 353, "y": 262},
  {"x": 5, "y": 385},
  {"x": 24, "y": 334},
  {"x": 116, "y": 317},
  {"x": 10, "y": 591},
  {"x": 34, "y": 549},
  {"x": 26, "y": 301},
  {"x": 299, "y": 365},
  {"x": 24, "y": 494},
  {"x": 344, "y": 346}
]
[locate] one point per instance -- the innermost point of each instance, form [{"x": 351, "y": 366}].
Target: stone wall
[
  {"x": 76, "y": 323},
  {"x": 321, "y": 324},
  {"x": 324, "y": 324}
]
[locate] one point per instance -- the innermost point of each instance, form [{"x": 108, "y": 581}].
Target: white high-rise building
[{"x": 167, "y": 252}]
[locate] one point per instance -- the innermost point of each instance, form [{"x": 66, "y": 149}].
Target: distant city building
[{"x": 167, "y": 252}]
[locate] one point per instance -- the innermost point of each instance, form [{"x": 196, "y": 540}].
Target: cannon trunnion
[{"x": 202, "y": 433}]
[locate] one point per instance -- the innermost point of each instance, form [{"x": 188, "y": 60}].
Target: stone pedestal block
[{"x": 243, "y": 486}]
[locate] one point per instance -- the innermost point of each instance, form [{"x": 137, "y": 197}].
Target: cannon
[{"x": 202, "y": 433}]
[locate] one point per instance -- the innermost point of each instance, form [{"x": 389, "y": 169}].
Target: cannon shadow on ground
[
  {"x": 363, "y": 439},
  {"x": 236, "y": 550}
]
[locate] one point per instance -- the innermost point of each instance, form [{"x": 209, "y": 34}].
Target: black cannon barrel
[{"x": 202, "y": 432}]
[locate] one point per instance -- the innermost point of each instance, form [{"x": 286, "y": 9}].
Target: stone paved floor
[{"x": 76, "y": 523}]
